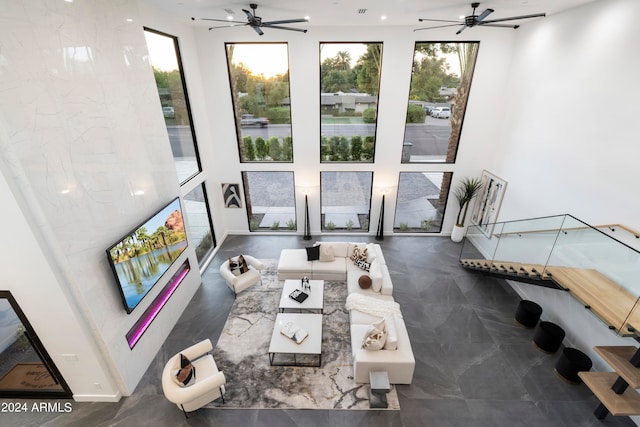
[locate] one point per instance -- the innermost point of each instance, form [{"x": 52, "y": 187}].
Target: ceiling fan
[
  {"x": 479, "y": 20},
  {"x": 256, "y": 22}
]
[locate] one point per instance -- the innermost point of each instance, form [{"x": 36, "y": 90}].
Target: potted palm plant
[{"x": 466, "y": 190}]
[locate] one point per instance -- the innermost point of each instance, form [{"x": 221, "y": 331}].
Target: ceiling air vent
[
  {"x": 362, "y": 11},
  {"x": 229, "y": 11}
]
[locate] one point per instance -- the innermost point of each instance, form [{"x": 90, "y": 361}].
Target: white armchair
[
  {"x": 240, "y": 283},
  {"x": 207, "y": 386}
]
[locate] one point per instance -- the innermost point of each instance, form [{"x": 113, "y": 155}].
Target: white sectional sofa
[{"x": 399, "y": 363}]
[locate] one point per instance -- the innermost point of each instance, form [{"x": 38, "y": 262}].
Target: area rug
[{"x": 252, "y": 383}]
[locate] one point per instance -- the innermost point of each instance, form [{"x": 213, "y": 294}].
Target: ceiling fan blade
[
  {"x": 484, "y": 14},
  {"x": 436, "y": 20},
  {"x": 461, "y": 29},
  {"x": 285, "y": 21},
  {"x": 248, "y": 13},
  {"x": 257, "y": 30},
  {"x": 437, "y": 26},
  {"x": 499, "y": 25},
  {"x": 279, "y": 27},
  {"x": 218, "y": 20},
  {"x": 535, "y": 15},
  {"x": 228, "y": 26}
]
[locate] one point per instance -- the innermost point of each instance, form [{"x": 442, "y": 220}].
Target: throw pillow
[
  {"x": 313, "y": 253},
  {"x": 187, "y": 371},
  {"x": 359, "y": 254},
  {"x": 364, "y": 265},
  {"x": 238, "y": 265},
  {"x": 326, "y": 253},
  {"x": 375, "y": 271},
  {"x": 375, "y": 337},
  {"x": 364, "y": 281}
]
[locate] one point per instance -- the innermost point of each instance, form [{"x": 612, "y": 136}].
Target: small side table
[{"x": 378, "y": 388}]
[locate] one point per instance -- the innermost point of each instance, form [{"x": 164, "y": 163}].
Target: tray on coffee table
[{"x": 313, "y": 303}]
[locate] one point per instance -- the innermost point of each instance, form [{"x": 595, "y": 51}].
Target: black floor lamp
[
  {"x": 307, "y": 227},
  {"x": 380, "y": 234}
]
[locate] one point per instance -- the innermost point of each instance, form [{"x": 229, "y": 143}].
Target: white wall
[
  {"x": 560, "y": 149},
  {"x": 568, "y": 141},
  {"x": 86, "y": 155}
]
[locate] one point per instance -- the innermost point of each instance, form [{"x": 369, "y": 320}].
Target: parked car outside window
[
  {"x": 441, "y": 113},
  {"x": 168, "y": 112}
]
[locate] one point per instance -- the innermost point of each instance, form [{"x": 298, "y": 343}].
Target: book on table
[
  {"x": 298, "y": 295},
  {"x": 294, "y": 332}
]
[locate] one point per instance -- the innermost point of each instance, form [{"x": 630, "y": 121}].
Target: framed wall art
[
  {"x": 231, "y": 195},
  {"x": 485, "y": 212}
]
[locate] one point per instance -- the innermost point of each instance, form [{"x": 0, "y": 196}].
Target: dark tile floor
[{"x": 474, "y": 366}]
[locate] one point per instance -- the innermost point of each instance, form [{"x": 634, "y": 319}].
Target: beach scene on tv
[{"x": 142, "y": 257}]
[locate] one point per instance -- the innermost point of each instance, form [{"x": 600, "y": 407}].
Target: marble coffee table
[
  {"x": 314, "y": 303},
  {"x": 288, "y": 352}
]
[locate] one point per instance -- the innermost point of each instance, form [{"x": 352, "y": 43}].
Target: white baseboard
[{"x": 97, "y": 397}]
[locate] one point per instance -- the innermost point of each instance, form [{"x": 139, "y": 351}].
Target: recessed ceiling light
[
  {"x": 230, "y": 18},
  {"x": 129, "y": 20},
  {"x": 307, "y": 17},
  {"x": 383, "y": 17},
  {"x": 461, "y": 17},
  {"x": 68, "y": 1}
]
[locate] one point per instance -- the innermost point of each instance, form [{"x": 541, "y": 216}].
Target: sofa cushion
[
  {"x": 294, "y": 261},
  {"x": 374, "y": 251},
  {"x": 330, "y": 268},
  {"x": 387, "y": 284},
  {"x": 313, "y": 253},
  {"x": 392, "y": 333},
  {"x": 340, "y": 249},
  {"x": 326, "y": 253}
]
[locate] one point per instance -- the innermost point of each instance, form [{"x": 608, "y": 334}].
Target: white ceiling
[{"x": 346, "y": 12}]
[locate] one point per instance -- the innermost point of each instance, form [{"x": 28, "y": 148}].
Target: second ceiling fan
[{"x": 474, "y": 20}]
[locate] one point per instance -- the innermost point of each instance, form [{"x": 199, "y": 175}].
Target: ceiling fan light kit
[
  {"x": 474, "y": 20},
  {"x": 256, "y": 22}
]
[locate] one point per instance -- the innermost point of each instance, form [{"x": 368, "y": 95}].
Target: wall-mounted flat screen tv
[{"x": 140, "y": 258}]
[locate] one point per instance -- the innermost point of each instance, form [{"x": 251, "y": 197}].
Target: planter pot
[{"x": 457, "y": 233}]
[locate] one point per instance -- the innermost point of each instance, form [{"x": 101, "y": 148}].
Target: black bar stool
[
  {"x": 528, "y": 313},
  {"x": 548, "y": 337},
  {"x": 570, "y": 362}
]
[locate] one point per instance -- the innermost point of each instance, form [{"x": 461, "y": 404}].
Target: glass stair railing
[
  {"x": 562, "y": 252},
  {"x": 599, "y": 266}
]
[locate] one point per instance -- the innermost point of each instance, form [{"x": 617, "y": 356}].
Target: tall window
[
  {"x": 440, "y": 83},
  {"x": 349, "y": 86},
  {"x": 346, "y": 200},
  {"x": 422, "y": 197},
  {"x": 270, "y": 200},
  {"x": 196, "y": 208},
  {"x": 259, "y": 76},
  {"x": 164, "y": 56}
]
